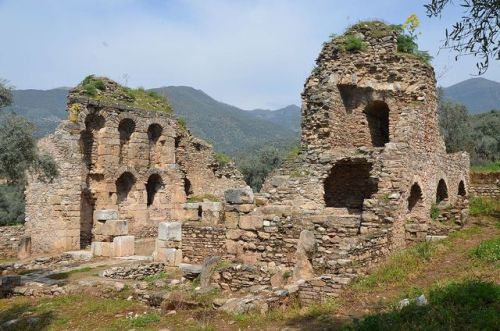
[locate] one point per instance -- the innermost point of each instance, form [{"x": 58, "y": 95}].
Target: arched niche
[
  {"x": 441, "y": 191},
  {"x": 377, "y": 115},
  {"x": 415, "y": 199},
  {"x": 153, "y": 185},
  {"x": 124, "y": 185}
]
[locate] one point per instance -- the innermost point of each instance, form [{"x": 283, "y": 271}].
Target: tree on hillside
[
  {"x": 256, "y": 166},
  {"x": 455, "y": 126},
  {"x": 477, "y": 33},
  {"x": 5, "y": 94}
]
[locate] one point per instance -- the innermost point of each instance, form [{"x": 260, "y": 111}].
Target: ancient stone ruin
[
  {"x": 122, "y": 170},
  {"x": 373, "y": 176}
]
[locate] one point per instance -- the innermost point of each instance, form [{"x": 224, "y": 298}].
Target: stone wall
[
  {"x": 200, "y": 241},
  {"x": 10, "y": 237},
  {"x": 140, "y": 163},
  {"x": 485, "y": 184}
]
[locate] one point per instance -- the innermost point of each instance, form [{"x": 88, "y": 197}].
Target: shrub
[
  {"x": 353, "y": 43},
  {"x": 488, "y": 251},
  {"x": 182, "y": 122},
  {"x": 222, "y": 159},
  {"x": 434, "y": 211}
]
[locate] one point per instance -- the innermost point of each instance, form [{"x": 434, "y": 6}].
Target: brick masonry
[{"x": 10, "y": 237}]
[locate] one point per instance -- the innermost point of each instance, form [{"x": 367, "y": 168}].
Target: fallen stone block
[
  {"x": 123, "y": 246},
  {"x": 191, "y": 271},
  {"x": 239, "y": 195},
  {"x": 170, "y": 231}
]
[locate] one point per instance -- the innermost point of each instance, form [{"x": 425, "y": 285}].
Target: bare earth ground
[{"x": 449, "y": 260}]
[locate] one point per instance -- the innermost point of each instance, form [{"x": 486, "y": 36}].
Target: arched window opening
[
  {"x": 154, "y": 184},
  {"x": 442, "y": 191},
  {"x": 415, "y": 197},
  {"x": 124, "y": 185},
  {"x": 461, "y": 189},
  {"x": 126, "y": 128},
  {"x": 154, "y": 133},
  {"x": 377, "y": 115},
  {"x": 348, "y": 184},
  {"x": 93, "y": 123}
]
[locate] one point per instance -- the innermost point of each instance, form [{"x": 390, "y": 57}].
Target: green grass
[
  {"x": 153, "y": 278},
  {"x": 182, "y": 122},
  {"x": 145, "y": 320},
  {"x": 488, "y": 251},
  {"x": 466, "y": 305},
  {"x": 489, "y": 167},
  {"x": 398, "y": 267},
  {"x": 484, "y": 207}
]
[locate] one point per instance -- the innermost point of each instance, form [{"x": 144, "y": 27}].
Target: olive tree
[{"x": 476, "y": 32}]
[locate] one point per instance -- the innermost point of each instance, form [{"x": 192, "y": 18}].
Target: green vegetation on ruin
[
  {"x": 105, "y": 90},
  {"x": 484, "y": 206},
  {"x": 203, "y": 197},
  {"x": 487, "y": 167}
]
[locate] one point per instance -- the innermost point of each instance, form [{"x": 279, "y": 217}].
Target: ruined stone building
[
  {"x": 373, "y": 175},
  {"x": 118, "y": 162}
]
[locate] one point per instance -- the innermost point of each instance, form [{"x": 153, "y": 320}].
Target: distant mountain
[
  {"x": 43, "y": 108},
  {"x": 479, "y": 95},
  {"x": 228, "y": 128},
  {"x": 288, "y": 116}
]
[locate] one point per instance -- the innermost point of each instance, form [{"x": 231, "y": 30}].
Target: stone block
[
  {"x": 251, "y": 222},
  {"x": 231, "y": 219},
  {"x": 170, "y": 256},
  {"x": 99, "y": 248},
  {"x": 123, "y": 246},
  {"x": 239, "y": 195},
  {"x": 115, "y": 228},
  {"x": 211, "y": 206},
  {"x": 105, "y": 215},
  {"x": 170, "y": 231},
  {"x": 144, "y": 247}
]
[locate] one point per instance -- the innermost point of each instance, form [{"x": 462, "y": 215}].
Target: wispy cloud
[{"x": 248, "y": 53}]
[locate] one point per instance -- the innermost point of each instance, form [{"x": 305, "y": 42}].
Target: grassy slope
[{"x": 459, "y": 276}]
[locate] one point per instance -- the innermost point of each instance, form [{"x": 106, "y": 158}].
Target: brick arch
[
  {"x": 462, "y": 191},
  {"x": 415, "y": 197},
  {"x": 441, "y": 191},
  {"x": 93, "y": 123},
  {"x": 124, "y": 185}
]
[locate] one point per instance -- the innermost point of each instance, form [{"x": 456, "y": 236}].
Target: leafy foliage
[
  {"x": 454, "y": 126},
  {"x": 256, "y": 166},
  {"x": 477, "y": 31},
  {"x": 5, "y": 93},
  {"x": 353, "y": 43},
  {"x": 222, "y": 159},
  {"x": 18, "y": 154},
  {"x": 407, "y": 38},
  {"x": 486, "y": 137},
  {"x": 11, "y": 204}
]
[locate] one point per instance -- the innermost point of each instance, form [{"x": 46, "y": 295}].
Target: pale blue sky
[{"x": 247, "y": 53}]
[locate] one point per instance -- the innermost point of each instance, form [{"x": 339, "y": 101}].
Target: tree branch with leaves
[{"x": 477, "y": 33}]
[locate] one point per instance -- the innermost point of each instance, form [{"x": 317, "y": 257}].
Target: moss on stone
[
  {"x": 74, "y": 109},
  {"x": 108, "y": 91}
]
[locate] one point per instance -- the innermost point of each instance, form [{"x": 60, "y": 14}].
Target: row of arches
[
  {"x": 126, "y": 128},
  {"x": 126, "y": 182},
  {"x": 416, "y": 197}
]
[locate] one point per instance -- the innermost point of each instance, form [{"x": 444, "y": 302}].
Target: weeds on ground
[
  {"x": 145, "y": 320},
  {"x": 488, "y": 251},
  {"x": 398, "y": 267},
  {"x": 65, "y": 275},
  {"x": 488, "y": 167},
  {"x": 484, "y": 206},
  {"x": 467, "y": 305}
]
